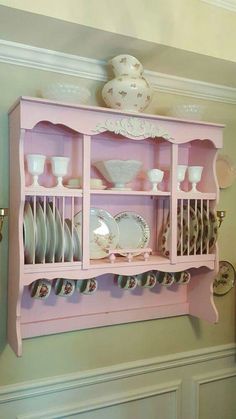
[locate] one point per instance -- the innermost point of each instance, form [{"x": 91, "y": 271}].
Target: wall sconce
[
  {"x": 221, "y": 215},
  {"x": 3, "y": 214}
]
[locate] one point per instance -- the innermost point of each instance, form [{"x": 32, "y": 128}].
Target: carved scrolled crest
[{"x": 132, "y": 127}]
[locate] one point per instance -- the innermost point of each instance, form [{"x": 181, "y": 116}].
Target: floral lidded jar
[{"x": 129, "y": 90}]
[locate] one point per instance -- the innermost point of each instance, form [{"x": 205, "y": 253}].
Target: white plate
[
  {"x": 225, "y": 171},
  {"x": 59, "y": 235},
  {"x": 29, "y": 233},
  {"x": 41, "y": 235},
  {"x": 77, "y": 250},
  {"x": 51, "y": 235},
  {"x": 68, "y": 247},
  {"x": 134, "y": 231},
  {"x": 104, "y": 232}
]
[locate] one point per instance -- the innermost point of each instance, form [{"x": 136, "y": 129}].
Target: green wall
[{"x": 77, "y": 351}]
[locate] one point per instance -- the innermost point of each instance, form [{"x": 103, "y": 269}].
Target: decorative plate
[
  {"x": 225, "y": 171},
  {"x": 213, "y": 229},
  {"x": 206, "y": 230},
  {"x": 200, "y": 231},
  {"x": 104, "y": 232},
  {"x": 51, "y": 234},
  {"x": 134, "y": 231},
  {"x": 184, "y": 232},
  {"x": 77, "y": 250},
  {"x": 193, "y": 227},
  {"x": 29, "y": 233},
  {"x": 59, "y": 234},
  {"x": 68, "y": 247},
  {"x": 225, "y": 279},
  {"x": 41, "y": 235}
]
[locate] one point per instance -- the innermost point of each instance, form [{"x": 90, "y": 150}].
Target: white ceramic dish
[
  {"x": 29, "y": 235},
  {"x": 51, "y": 234},
  {"x": 118, "y": 172},
  {"x": 225, "y": 171},
  {"x": 187, "y": 111},
  {"x": 104, "y": 232},
  {"x": 59, "y": 235},
  {"x": 66, "y": 92},
  {"x": 68, "y": 246},
  {"x": 134, "y": 231},
  {"x": 41, "y": 235},
  {"x": 77, "y": 250}
]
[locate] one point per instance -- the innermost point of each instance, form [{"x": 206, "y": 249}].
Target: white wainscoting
[{"x": 190, "y": 385}]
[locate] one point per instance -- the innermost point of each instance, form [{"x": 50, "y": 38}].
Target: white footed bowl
[
  {"x": 67, "y": 93},
  {"x": 187, "y": 111},
  {"x": 118, "y": 172}
]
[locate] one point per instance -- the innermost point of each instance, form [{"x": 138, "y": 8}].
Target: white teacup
[
  {"x": 64, "y": 287},
  {"x": 148, "y": 280},
  {"x": 182, "y": 277},
  {"x": 165, "y": 278},
  {"x": 87, "y": 286},
  {"x": 40, "y": 289},
  {"x": 127, "y": 282}
]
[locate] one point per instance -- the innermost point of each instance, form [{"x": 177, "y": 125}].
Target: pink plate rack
[{"x": 182, "y": 223}]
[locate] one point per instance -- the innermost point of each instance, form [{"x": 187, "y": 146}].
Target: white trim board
[{"x": 87, "y": 68}]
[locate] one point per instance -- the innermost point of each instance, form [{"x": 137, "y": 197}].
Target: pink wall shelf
[{"x": 47, "y": 242}]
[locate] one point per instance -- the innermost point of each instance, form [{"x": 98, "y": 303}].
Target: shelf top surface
[{"x": 109, "y": 111}]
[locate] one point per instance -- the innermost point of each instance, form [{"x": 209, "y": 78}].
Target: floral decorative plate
[
  {"x": 206, "y": 230},
  {"x": 225, "y": 279},
  {"x": 200, "y": 231},
  {"x": 104, "y": 232},
  {"x": 134, "y": 231},
  {"x": 225, "y": 171},
  {"x": 51, "y": 234},
  {"x": 213, "y": 229},
  {"x": 193, "y": 227}
]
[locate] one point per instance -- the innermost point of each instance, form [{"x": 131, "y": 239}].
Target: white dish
[
  {"x": 225, "y": 171},
  {"x": 59, "y": 234},
  {"x": 187, "y": 111},
  {"x": 77, "y": 250},
  {"x": 134, "y": 231},
  {"x": 104, "y": 232},
  {"x": 41, "y": 235},
  {"x": 68, "y": 246},
  {"x": 51, "y": 235},
  {"x": 29, "y": 233}
]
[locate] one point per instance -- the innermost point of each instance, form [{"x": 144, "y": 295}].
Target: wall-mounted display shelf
[{"x": 75, "y": 215}]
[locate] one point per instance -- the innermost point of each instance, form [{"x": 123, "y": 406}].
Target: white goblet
[
  {"x": 35, "y": 163},
  {"x": 155, "y": 176},
  {"x": 194, "y": 175},
  {"x": 181, "y": 170},
  {"x": 59, "y": 168}
]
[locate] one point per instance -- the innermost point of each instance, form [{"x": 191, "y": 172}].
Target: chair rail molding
[{"x": 87, "y": 68}]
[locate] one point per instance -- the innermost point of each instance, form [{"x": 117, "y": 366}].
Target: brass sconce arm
[
  {"x": 3, "y": 214},
  {"x": 221, "y": 216}
]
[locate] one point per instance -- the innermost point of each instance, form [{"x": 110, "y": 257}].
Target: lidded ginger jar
[{"x": 129, "y": 90}]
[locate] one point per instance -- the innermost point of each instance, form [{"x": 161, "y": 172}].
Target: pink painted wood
[{"x": 85, "y": 135}]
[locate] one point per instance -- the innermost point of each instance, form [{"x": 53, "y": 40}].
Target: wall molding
[
  {"x": 105, "y": 402},
  {"x": 10, "y": 393},
  {"x": 87, "y": 68},
  {"x": 225, "y": 4},
  {"x": 207, "y": 378}
]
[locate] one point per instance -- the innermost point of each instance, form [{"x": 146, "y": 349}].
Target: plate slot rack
[
  {"x": 197, "y": 227},
  {"x": 53, "y": 216}
]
